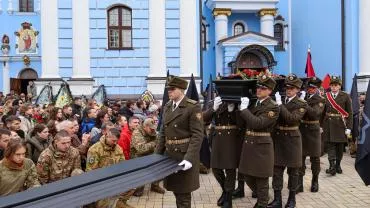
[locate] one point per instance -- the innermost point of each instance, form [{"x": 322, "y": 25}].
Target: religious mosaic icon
[{"x": 26, "y": 39}]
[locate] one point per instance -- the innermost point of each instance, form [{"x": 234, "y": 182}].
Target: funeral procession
[{"x": 184, "y": 103}]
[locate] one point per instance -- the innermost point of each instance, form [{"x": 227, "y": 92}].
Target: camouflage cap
[
  {"x": 293, "y": 81},
  {"x": 314, "y": 82},
  {"x": 266, "y": 81},
  {"x": 335, "y": 80},
  {"x": 177, "y": 82},
  {"x": 151, "y": 123}
]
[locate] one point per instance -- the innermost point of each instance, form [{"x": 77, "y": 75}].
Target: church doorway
[
  {"x": 255, "y": 57},
  {"x": 19, "y": 85}
]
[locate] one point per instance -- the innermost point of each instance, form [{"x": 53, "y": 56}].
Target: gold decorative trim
[
  {"x": 221, "y": 11},
  {"x": 264, "y": 12}
]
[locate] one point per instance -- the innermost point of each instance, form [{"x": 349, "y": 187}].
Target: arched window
[
  {"x": 279, "y": 34},
  {"x": 25, "y": 5},
  {"x": 119, "y": 27},
  {"x": 239, "y": 28},
  {"x": 204, "y": 36}
]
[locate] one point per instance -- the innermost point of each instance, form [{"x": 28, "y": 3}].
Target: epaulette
[
  {"x": 192, "y": 101},
  {"x": 301, "y": 100},
  {"x": 273, "y": 102},
  {"x": 169, "y": 102}
]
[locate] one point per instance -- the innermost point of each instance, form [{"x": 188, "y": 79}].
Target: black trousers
[
  {"x": 183, "y": 200},
  {"x": 335, "y": 150},
  {"x": 315, "y": 166},
  {"x": 278, "y": 178},
  {"x": 261, "y": 186},
  {"x": 226, "y": 178}
]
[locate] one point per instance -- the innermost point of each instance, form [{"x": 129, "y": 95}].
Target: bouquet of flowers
[{"x": 247, "y": 74}]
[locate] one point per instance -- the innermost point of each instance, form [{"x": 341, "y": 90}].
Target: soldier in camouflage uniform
[
  {"x": 59, "y": 160},
  {"x": 143, "y": 142},
  {"x": 102, "y": 154}
]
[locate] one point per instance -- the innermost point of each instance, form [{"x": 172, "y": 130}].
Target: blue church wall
[
  {"x": 173, "y": 36},
  {"x": 351, "y": 41},
  {"x": 317, "y": 23},
  {"x": 251, "y": 20},
  {"x": 209, "y": 63},
  {"x": 121, "y": 71},
  {"x": 282, "y": 57}
]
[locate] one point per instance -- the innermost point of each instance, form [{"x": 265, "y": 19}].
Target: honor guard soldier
[
  {"x": 338, "y": 123},
  {"x": 226, "y": 146},
  {"x": 311, "y": 134},
  {"x": 181, "y": 138},
  {"x": 256, "y": 162},
  {"x": 288, "y": 141}
]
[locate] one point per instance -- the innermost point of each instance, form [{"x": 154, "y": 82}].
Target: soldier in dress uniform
[
  {"x": 288, "y": 141},
  {"x": 226, "y": 146},
  {"x": 256, "y": 162},
  {"x": 181, "y": 138},
  {"x": 311, "y": 135},
  {"x": 337, "y": 124}
]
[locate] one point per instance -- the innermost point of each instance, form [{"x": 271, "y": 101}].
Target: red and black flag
[{"x": 309, "y": 68}]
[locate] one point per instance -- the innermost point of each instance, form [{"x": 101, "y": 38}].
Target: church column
[
  {"x": 364, "y": 45},
  {"x": 81, "y": 82},
  {"x": 6, "y": 78},
  {"x": 267, "y": 21},
  {"x": 364, "y": 34},
  {"x": 81, "y": 39},
  {"x": 221, "y": 23},
  {"x": 189, "y": 38},
  {"x": 49, "y": 41},
  {"x": 10, "y": 6},
  {"x": 157, "y": 47}
]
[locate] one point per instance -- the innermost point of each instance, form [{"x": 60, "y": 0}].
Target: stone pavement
[{"x": 340, "y": 191}]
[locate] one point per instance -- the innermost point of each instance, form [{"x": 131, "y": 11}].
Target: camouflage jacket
[
  {"x": 142, "y": 143},
  {"x": 14, "y": 179},
  {"x": 54, "y": 165},
  {"x": 101, "y": 155}
]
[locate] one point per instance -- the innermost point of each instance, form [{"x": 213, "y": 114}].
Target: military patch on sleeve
[
  {"x": 321, "y": 105},
  {"x": 199, "y": 116},
  {"x": 91, "y": 160},
  {"x": 301, "y": 110},
  {"x": 271, "y": 114}
]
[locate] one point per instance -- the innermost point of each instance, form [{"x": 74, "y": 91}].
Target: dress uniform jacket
[
  {"x": 226, "y": 142},
  {"x": 310, "y": 126},
  {"x": 333, "y": 124},
  {"x": 287, "y": 137},
  {"x": 257, "y": 157},
  {"x": 181, "y": 138}
]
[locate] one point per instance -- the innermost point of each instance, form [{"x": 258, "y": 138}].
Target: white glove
[
  {"x": 348, "y": 132},
  {"x": 321, "y": 130},
  {"x": 245, "y": 103},
  {"x": 278, "y": 98},
  {"x": 303, "y": 95},
  {"x": 230, "y": 107},
  {"x": 187, "y": 165},
  {"x": 216, "y": 103}
]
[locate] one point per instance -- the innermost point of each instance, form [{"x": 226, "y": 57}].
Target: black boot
[
  {"x": 221, "y": 200},
  {"x": 291, "y": 200},
  {"x": 254, "y": 194},
  {"x": 300, "y": 184},
  {"x": 239, "y": 192},
  {"x": 228, "y": 202},
  {"x": 277, "y": 203},
  {"x": 331, "y": 169},
  {"x": 338, "y": 169},
  {"x": 315, "y": 183}
]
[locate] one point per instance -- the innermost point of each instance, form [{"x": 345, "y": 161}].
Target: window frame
[
  {"x": 28, "y": 8},
  {"x": 239, "y": 23},
  {"x": 204, "y": 36},
  {"x": 281, "y": 44},
  {"x": 120, "y": 27}
]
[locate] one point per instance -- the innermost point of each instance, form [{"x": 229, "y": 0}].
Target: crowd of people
[
  {"x": 252, "y": 139},
  {"x": 40, "y": 144}
]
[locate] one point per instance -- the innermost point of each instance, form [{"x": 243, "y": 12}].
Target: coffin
[{"x": 232, "y": 89}]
